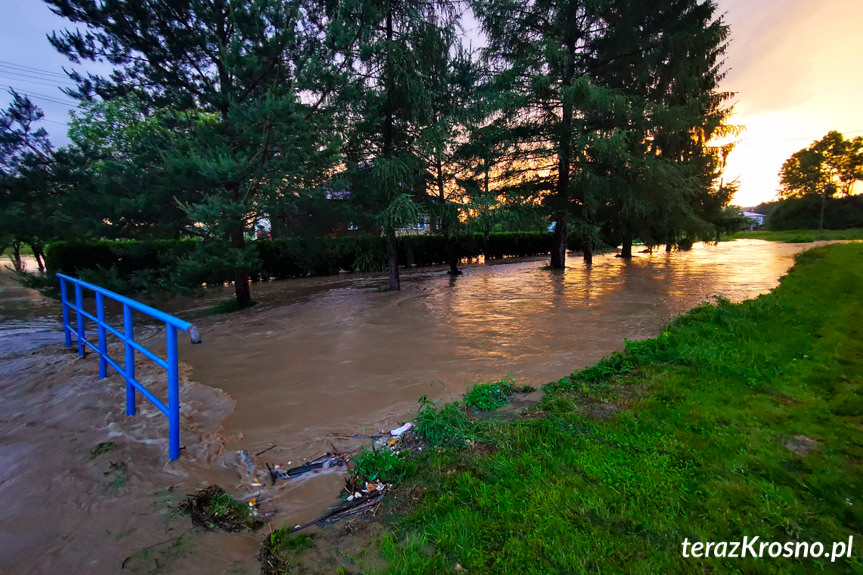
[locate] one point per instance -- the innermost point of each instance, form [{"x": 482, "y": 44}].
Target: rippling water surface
[
  {"x": 324, "y": 356},
  {"x": 327, "y": 354}
]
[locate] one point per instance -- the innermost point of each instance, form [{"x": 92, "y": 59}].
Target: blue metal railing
[{"x": 127, "y": 336}]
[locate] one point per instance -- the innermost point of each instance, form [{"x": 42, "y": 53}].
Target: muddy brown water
[{"x": 315, "y": 359}]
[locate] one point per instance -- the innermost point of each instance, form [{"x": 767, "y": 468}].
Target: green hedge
[
  {"x": 143, "y": 266},
  {"x": 803, "y": 214},
  {"x": 122, "y": 265}
]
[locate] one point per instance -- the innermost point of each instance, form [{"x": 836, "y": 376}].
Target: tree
[
  {"x": 121, "y": 183},
  {"x": 541, "y": 53},
  {"x": 240, "y": 67},
  {"x": 613, "y": 103},
  {"x": 393, "y": 125},
  {"x": 685, "y": 112},
  {"x": 453, "y": 79},
  {"x": 26, "y": 156},
  {"x": 825, "y": 168}
]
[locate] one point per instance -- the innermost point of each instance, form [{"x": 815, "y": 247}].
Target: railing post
[
  {"x": 103, "y": 340},
  {"x": 173, "y": 394},
  {"x": 171, "y": 363},
  {"x": 64, "y": 303},
  {"x": 129, "y": 336},
  {"x": 79, "y": 303}
]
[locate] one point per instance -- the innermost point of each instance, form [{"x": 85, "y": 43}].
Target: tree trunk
[
  {"x": 558, "y": 246},
  {"x": 558, "y": 251},
  {"x": 393, "y": 259},
  {"x": 39, "y": 254},
  {"x": 452, "y": 256},
  {"x": 242, "y": 291},
  {"x": 626, "y": 247},
  {"x": 587, "y": 251},
  {"x": 823, "y": 204},
  {"x": 446, "y": 225},
  {"x": 388, "y": 137},
  {"x": 16, "y": 256}
]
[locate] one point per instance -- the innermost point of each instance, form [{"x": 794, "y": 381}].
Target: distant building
[
  {"x": 756, "y": 220},
  {"x": 423, "y": 226}
]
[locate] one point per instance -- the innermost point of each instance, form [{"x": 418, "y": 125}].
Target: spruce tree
[
  {"x": 240, "y": 67},
  {"x": 399, "y": 48}
]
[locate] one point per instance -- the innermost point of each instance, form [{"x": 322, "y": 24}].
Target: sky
[{"x": 792, "y": 64}]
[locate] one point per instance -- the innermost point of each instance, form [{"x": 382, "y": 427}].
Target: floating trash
[{"x": 326, "y": 461}]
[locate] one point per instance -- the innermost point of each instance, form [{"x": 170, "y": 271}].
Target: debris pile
[{"x": 211, "y": 508}]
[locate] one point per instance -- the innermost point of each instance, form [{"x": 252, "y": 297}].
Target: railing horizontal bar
[
  {"x": 159, "y": 361},
  {"x": 153, "y": 399},
  {"x": 115, "y": 365},
  {"x": 114, "y": 331},
  {"x": 85, "y": 314},
  {"x": 151, "y": 311},
  {"x": 95, "y": 319}
]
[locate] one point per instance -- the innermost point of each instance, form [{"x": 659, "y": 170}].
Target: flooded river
[
  {"x": 322, "y": 354},
  {"x": 319, "y": 357}
]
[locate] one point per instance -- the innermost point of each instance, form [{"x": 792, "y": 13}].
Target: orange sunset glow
[{"x": 795, "y": 66}]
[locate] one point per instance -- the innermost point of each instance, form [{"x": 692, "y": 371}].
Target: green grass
[
  {"x": 279, "y": 550},
  {"x": 697, "y": 448},
  {"x": 801, "y": 236},
  {"x": 384, "y": 465},
  {"x": 489, "y": 396},
  {"x": 102, "y": 448}
]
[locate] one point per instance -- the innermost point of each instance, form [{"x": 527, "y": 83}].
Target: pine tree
[
  {"x": 239, "y": 66},
  {"x": 666, "y": 59},
  {"x": 613, "y": 103},
  {"x": 393, "y": 114}
]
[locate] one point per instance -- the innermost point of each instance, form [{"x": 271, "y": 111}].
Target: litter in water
[{"x": 326, "y": 461}]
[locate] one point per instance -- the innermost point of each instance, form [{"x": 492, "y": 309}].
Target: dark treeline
[
  {"x": 812, "y": 211},
  {"x": 367, "y": 117},
  {"x": 147, "y": 266}
]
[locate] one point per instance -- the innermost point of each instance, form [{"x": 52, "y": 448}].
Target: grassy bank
[
  {"x": 739, "y": 420},
  {"x": 801, "y": 236}
]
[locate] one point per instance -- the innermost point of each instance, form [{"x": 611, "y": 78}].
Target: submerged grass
[
  {"x": 738, "y": 420},
  {"x": 230, "y": 305},
  {"x": 801, "y": 236}
]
